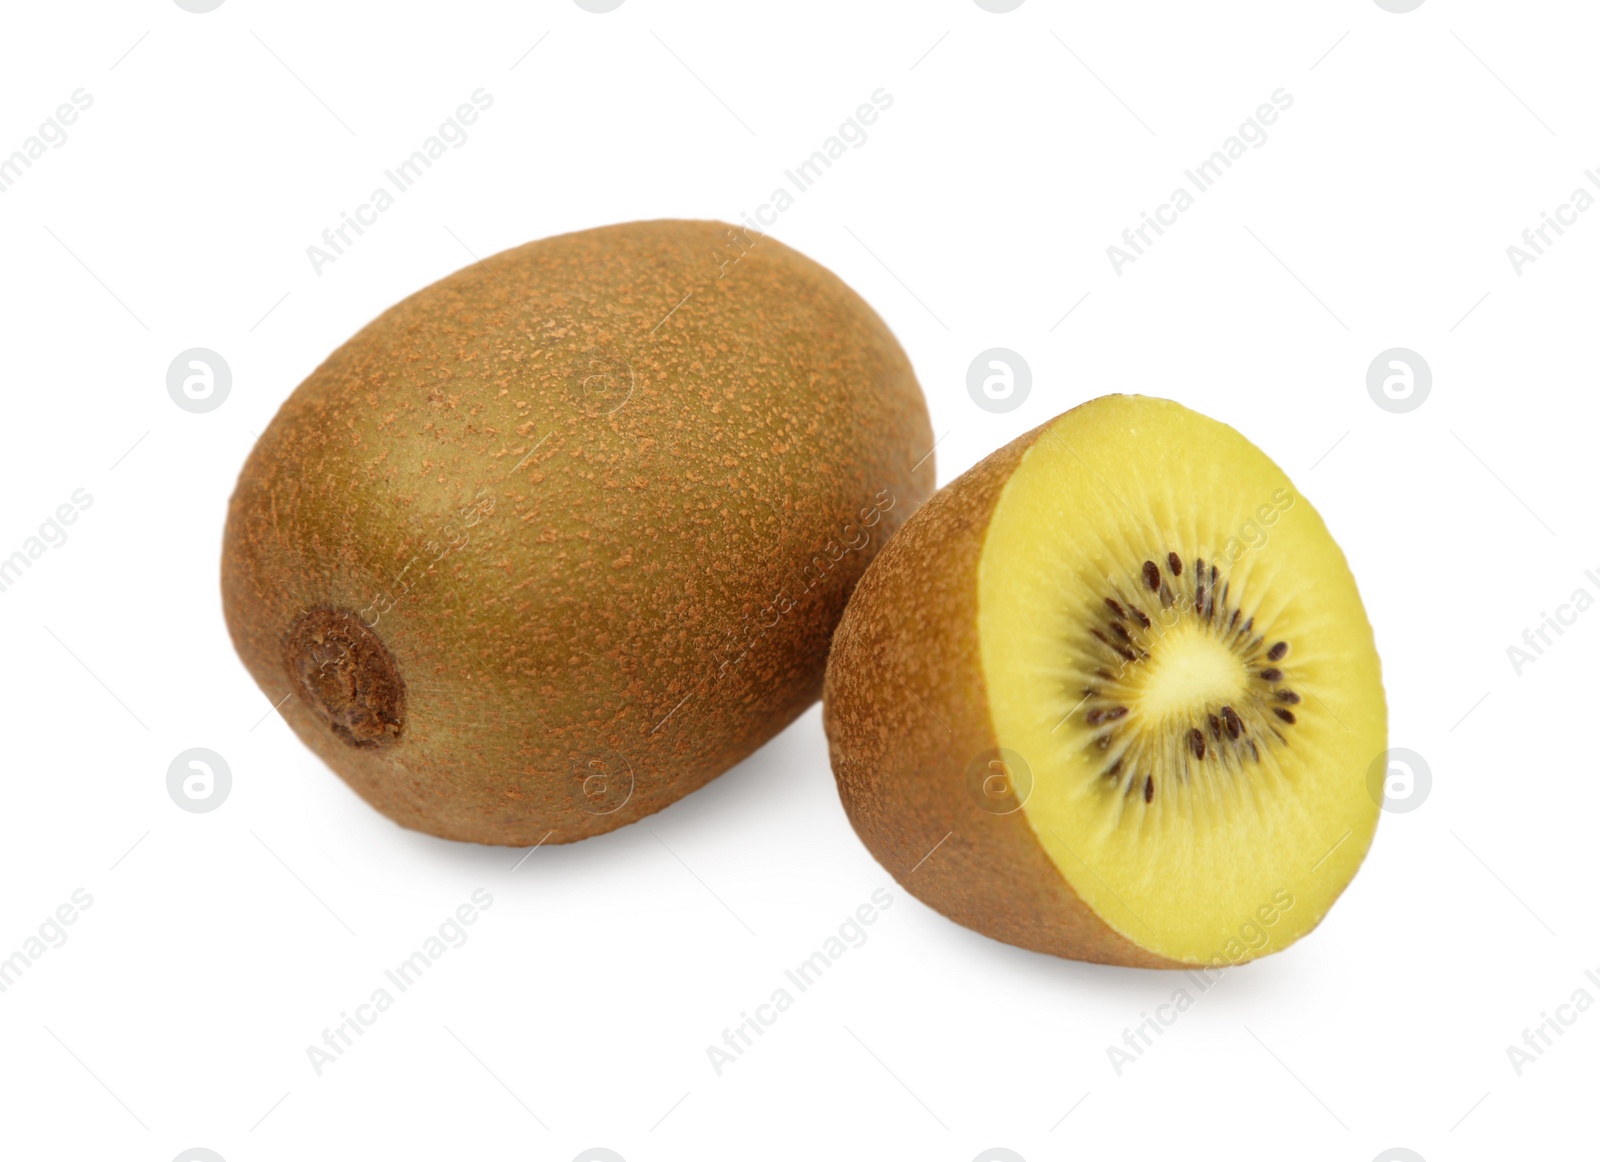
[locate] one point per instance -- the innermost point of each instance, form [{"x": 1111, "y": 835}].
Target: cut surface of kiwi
[{"x": 1164, "y": 675}]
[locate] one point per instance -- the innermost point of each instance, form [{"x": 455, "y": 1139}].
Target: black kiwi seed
[
  {"x": 1197, "y": 743},
  {"x": 1288, "y": 696},
  {"x": 1115, "y": 608},
  {"x": 1272, "y": 674},
  {"x": 1286, "y": 715},
  {"x": 1139, "y": 613},
  {"x": 1152, "y": 576},
  {"x": 1276, "y": 652},
  {"x": 1230, "y": 718},
  {"x": 1149, "y": 789},
  {"x": 1175, "y": 564},
  {"x": 1216, "y": 727}
]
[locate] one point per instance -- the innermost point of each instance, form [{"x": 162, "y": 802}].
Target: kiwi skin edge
[{"x": 900, "y": 757}]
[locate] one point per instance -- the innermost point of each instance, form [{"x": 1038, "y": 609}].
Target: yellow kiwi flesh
[{"x": 1170, "y": 704}]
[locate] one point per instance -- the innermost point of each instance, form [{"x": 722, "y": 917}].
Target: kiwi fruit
[
  {"x": 1112, "y": 695},
  {"x": 558, "y": 539}
]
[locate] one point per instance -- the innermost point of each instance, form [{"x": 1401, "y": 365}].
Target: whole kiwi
[{"x": 560, "y": 538}]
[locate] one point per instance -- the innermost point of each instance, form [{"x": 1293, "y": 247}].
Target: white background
[{"x": 977, "y": 214}]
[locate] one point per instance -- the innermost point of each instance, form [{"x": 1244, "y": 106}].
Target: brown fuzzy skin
[
  {"x": 598, "y": 501},
  {"x": 906, "y": 711}
]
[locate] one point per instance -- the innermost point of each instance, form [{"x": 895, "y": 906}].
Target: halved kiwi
[{"x": 1112, "y": 694}]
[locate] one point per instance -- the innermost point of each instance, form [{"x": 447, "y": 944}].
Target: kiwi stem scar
[{"x": 346, "y": 675}]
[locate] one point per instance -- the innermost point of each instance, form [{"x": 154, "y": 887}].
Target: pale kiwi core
[
  {"x": 1188, "y": 672},
  {"x": 1173, "y": 644}
]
